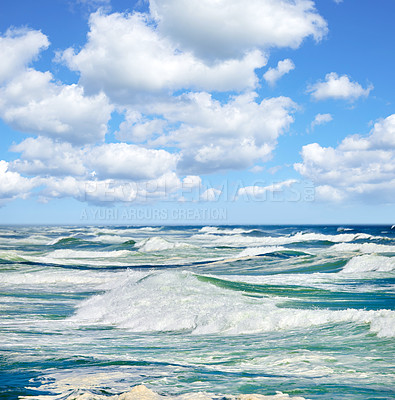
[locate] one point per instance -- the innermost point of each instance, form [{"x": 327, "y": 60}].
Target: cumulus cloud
[
  {"x": 227, "y": 28},
  {"x": 257, "y": 191},
  {"x": 18, "y": 47},
  {"x": 320, "y": 119},
  {"x": 160, "y": 70},
  {"x": 124, "y": 161},
  {"x": 210, "y": 194},
  {"x": 108, "y": 191},
  {"x": 192, "y": 181},
  {"x": 361, "y": 167},
  {"x": 32, "y": 102},
  {"x": 125, "y": 56},
  {"x": 138, "y": 128},
  {"x": 117, "y": 171},
  {"x": 338, "y": 87},
  {"x": 13, "y": 185},
  {"x": 216, "y": 136},
  {"x": 272, "y": 75},
  {"x": 43, "y": 156}
]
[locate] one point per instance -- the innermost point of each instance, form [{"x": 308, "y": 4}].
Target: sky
[{"x": 197, "y": 112}]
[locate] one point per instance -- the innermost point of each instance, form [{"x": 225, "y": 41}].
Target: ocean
[{"x": 194, "y": 312}]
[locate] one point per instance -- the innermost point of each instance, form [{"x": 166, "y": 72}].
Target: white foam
[
  {"x": 223, "y": 231},
  {"x": 125, "y": 231},
  {"x": 81, "y": 388},
  {"x": 57, "y": 240},
  {"x": 110, "y": 239},
  {"x": 30, "y": 240},
  {"x": 71, "y": 257},
  {"x": 11, "y": 255},
  {"x": 363, "y": 248},
  {"x": 256, "y": 251},
  {"x": 81, "y": 254},
  {"x": 156, "y": 243},
  {"x": 341, "y": 229},
  {"x": 75, "y": 279},
  {"x": 236, "y": 240},
  {"x": 368, "y": 263},
  {"x": 177, "y": 301}
]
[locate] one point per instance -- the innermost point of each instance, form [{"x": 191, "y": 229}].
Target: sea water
[{"x": 90, "y": 312}]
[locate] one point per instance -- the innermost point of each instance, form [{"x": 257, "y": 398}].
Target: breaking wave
[
  {"x": 179, "y": 301},
  {"x": 156, "y": 243}
]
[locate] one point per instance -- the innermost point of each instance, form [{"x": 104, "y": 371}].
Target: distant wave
[
  {"x": 156, "y": 243},
  {"x": 238, "y": 240},
  {"x": 363, "y": 248}
]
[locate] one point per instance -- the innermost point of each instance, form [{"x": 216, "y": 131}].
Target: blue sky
[{"x": 196, "y": 112}]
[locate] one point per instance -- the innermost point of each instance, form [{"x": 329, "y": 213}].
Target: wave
[
  {"x": 257, "y": 251},
  {"x": 363, "y": 248},
  {"x": 11, "y": 256},
  {"x": 52, "y": 279},
  {"x": 225, "y": 231},
  {"x": 368, "y": 263},
  {"x": 125, "y": 230},
  {"x": 64, "y": 241},
  {"x": 341, "y": 229},
  {"x": 157, "y": 243},
  {"x": 80, "y": 257},
  {"x": 180, "y": 301},
  {"x": 238, "y": 240},
  {"x": 72, "y": 390},
  {"x": 32, "y": 240}
]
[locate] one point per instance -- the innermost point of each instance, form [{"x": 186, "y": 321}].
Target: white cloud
[
  {"x": 134, "y": 64},
  {"x": 109, "y": 190},
  {"x": 125, "y": 57},
  {"x": 43, "y": 156},
  {"x": 18, "y": 47},
  {"x": 130, "y": 162},
  {"x": 137, "y": 128},
  {"x": 192, "y": 181},
  {"x": 33, "y": 103},
  {"x": 119, "y": 161},
  {"x": 320, "y": 119},
  {"x": 228, "y": 28},
  {"x": 338, "y": 87},
  {"x": 272, "y": 75},
  {"x": 256, "y": 191},
  {"x": 256, "y": 169},
  {"x": 13, "y": 185},
  {"x": 211, "y": 194},
  {"x": 213, "y": 136},
  {"x": 359, "y": 168}
]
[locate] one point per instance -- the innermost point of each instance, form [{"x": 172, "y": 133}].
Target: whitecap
[
  {"x": 180, "y": 301},
  {"x": 368, "y": 263},
  {"x": 157, "y": 243}
]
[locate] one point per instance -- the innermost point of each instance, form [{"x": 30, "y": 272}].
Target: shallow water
[{"x": 308, "y": 311}]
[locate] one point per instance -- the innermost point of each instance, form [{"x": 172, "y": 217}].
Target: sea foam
[
  {"x": 237, "y": 240},
  {"x": 141, "y": 392},
  {"x": 368, "y": 263},
  {"x": 179, "y": 301},
  {"x": 156, "y": 243}
]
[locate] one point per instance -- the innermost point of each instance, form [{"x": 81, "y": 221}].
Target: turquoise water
[{"x": 308, "y": 311}]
